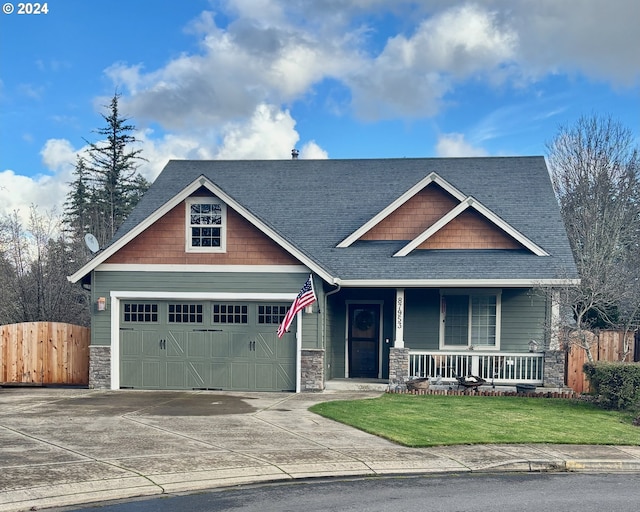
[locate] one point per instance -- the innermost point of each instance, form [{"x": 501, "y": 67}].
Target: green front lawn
[{"x": 431, "y": 420}]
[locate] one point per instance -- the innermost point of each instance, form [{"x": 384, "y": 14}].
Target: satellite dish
[{"x": 92, "y": 242}]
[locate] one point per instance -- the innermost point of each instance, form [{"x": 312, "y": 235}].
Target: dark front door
[{"x": 364, "y": 340}]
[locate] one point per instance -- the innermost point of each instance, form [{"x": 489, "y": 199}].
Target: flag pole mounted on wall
[{"x": 306, "y": 297}]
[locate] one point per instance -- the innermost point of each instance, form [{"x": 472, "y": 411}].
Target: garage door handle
[
  {"x": 252, "y": 346},
  {"x": 163, "y": 344}
]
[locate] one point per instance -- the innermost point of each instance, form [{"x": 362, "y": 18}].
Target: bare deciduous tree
[
  {"x": 594, "y": 168},
  {"x": 34, "y": 264}
]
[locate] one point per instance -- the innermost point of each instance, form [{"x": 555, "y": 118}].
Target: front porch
[{"x": 443, "y": 333}]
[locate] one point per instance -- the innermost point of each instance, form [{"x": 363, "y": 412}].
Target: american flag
[{"x": 306, "y": 297}]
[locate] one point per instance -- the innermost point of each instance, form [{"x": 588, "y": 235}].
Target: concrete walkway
[{"x": 72, "y": 446}]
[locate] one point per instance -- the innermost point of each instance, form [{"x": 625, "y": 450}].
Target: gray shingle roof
[{"x": 315, "y": 204}]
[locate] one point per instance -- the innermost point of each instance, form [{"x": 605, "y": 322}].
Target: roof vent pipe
[{"x": 294, "y": 154}]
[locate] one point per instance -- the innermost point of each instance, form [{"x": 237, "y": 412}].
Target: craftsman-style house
[{"x": 421, "y": 267}]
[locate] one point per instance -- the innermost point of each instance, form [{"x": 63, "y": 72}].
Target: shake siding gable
[
  {"x": 470, "y": 230},
  {"x": 163, "y": 243},
  {"x": 414, "y": 216}
]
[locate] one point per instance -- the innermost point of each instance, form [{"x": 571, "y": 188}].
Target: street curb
[
  {"x": 85, "y": 495},
  {"x": 622, "y": 466}
]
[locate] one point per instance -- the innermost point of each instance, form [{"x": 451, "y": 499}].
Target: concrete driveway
[{"x": 72, "y": 446}]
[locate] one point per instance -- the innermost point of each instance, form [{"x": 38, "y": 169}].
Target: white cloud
[
  {"x": 269, "y": 54},
  {"x": 455, "y": 145},
  {"x": 59, "y": 156},
  {"x": 47, "y": 192},
  {"x": 247, "y": 64},
  {"x": 596, "y": 38},
  {"x": 311, "y": 151},
  {"x": 18, "y": 193},
  {"x": 412, "y": 75},
  {"x": 269, "y": 134}
]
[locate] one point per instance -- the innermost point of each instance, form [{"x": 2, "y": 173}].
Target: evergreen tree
[
  {"x": 107, "y": 185},
  {"x": 78, "y": 206}
]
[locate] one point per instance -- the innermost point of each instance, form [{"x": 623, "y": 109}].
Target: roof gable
[
  {"x": 414, "y": 216},
  {"x": 245, "y": 244},
  {"x": 176, "y": 201},
  {"x": 470, "y": 230},
  {"x": 401, "y": 201},
  {"x": 426, "y": 208},
  {"x": 470, "y": 202}
]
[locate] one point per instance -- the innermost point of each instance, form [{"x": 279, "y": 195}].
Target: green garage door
[{"x": 205, "y": 345}]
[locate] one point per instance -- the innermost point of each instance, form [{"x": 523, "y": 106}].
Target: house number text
[{"x": 399, "y": 312}]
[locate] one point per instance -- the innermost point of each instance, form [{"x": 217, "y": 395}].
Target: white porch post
[
  {"x": 554, "y": 339},
  {"x": 399, "y": 340}
]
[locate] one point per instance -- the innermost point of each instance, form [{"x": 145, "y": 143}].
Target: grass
[{"x": 432, "y": 420}]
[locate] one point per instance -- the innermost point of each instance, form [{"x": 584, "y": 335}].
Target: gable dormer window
[{"x": 206, "y": 224}]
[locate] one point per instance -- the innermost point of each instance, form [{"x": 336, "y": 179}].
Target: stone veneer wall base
[
  {"x": 398, "y": 365},
  {"x": 312, "y": 370},
  {"x": 554, "y": 368},
  {"x": 99, "y": 367}
]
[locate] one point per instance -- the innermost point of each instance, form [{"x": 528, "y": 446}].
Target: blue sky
[{"x": 336, "y": 79}]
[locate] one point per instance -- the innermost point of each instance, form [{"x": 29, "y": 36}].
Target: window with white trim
[
  {"x": 470, "y": 320},
  {"x": 206, "y": 224}
]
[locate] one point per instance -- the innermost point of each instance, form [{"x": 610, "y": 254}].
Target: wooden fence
[
  {"x": 605, "y": 346},
  {"x": 44, "y": 353}
]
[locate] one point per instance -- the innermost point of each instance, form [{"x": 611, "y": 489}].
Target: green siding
[
  {"x": 422, "y": 319},
  {"x": 523, "y": 319},
  {"x": 335, "y": 338}
]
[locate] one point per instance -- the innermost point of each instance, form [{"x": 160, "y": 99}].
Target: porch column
[
  {"x": 554, "y": 339},
  {"x": 399, "y": 339}
]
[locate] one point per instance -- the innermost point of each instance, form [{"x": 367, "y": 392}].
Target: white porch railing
[{"x": 506, "y": 368}]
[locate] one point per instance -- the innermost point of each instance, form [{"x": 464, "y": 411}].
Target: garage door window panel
[
  {"x": 230, "y": 314},
  {"x": 140, "y": 313},
  {"x": 271, "y": 314},
  {"x": 185, "y": 313}
]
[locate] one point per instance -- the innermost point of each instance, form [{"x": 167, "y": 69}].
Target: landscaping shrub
[{"x": 615, "y": 385}]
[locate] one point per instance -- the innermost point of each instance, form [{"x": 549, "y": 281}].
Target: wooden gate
[
  {"x": 44, "y": 353},
  {"x": 605, "y": 346}
]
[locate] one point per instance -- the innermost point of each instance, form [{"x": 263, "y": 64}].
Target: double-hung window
[
  {"x": 206, "y": 224},
  {"x": 470, "y": 320}
]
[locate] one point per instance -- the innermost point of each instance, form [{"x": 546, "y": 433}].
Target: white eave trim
[
  {"x": 203, "y": 295},
  {"x": 264, "y": 269},
  {"x": 457, "y": 283},
  {"x": 470, "y": 202},
  {"x": 202, "y": 181},
  {"x": 432, "y": 177}
]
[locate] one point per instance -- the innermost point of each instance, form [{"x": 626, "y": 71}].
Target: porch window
[
  {"x": 206, "y": 224},
  {"x": 470, "y": 320}
]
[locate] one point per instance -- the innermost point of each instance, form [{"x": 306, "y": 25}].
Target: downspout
[{"x": 324, "y": 305}]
